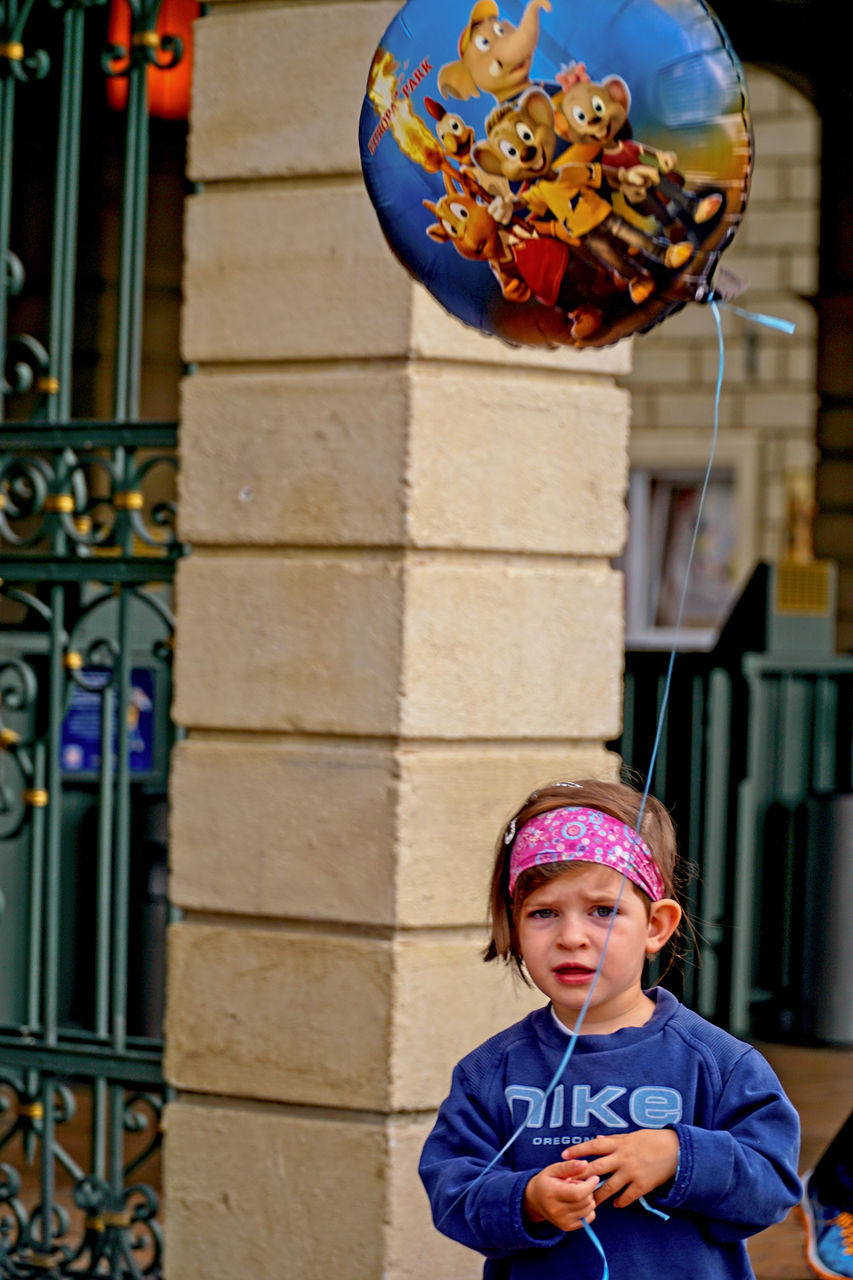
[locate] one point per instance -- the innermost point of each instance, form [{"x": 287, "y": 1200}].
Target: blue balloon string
[
  {"x": 573, "y": 1038},
  {"x": 757, "y": 317}
]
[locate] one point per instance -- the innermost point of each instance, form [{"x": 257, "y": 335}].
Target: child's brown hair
[{"x": 614, "y": 798}]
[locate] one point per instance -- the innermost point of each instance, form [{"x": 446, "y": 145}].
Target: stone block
[
  {"x": 783, "y": 228},
  {"x": 357, "y": 834},
  {"x": 453, "y": 802},
  {"x": 415, "y": 1250},
  {"x": 281, "y": 1015},
  {"x": 556, "y": 672},
  {"x": 766, "y": 91},
  {"x": 789, "y": 137},
  {"x": 296, "y": 458},
  {"x": 518, "y": 463},
  {"x": 803, "y": 272},
  {"x": 767, "y": 185},
  {"x": 761, "y": 270},
  {"x": 659, "y": 362},
  {"x": 437, "y": 335},
  {"x": 269, "y": 1201},
  {"x": 293, "y": 272},
  {"x": 283, "y": 829},
  {"x": 248, "y": 1192},
  {"x": 278, "y": 118},
  {"x": 321, "y": 645},
  {"x": 289, "y": 644},
  {"x": 447, "y": 1000},
  {"x": 302, "y": 458},
  {"x": 693, "y": 409},
  {"x": 775, "y": 408}
]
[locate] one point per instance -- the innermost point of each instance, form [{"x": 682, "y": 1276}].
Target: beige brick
[
  {"x": 532, "y": 463},
  {"x": 271, "y": 124},
  {"x": 555, "y": 673},
  {"x": 453, "y": 802},
  {"x": 291, "y": 273},
  {"x": 295, "y": 458},
  {"x": 793, "y": 408},
  {"x": 269, "y": 1200},
  {"x": 788, "y": 138},
  {"x": 781, "y": 228},
  {"x": 694, "y": 321},
  {"x": 800, "y": 451},
  {"x": 344, "y": 294},
  {"x": 281, "y": 643},
  {"x": 761, "y": 269},
  {"x": 248, "y": 1191},
  {"x": 415, "y": 1250},
  {"x": 766, "y": 91},
  {"x": 643, "y": 411},
  {"x": 447, "y": 1000},
  {"x": 284, "y": 829},
  {"x": 693, "y": 409},
  {"x": 803, "y": 271},
  {"x": 751, "y": 360},
  {"x": 335, "y": 832},
  {"x": 280, "y": 1015},
  {"x": 661, "y": 362},
  {"x": 495, "y": 461},
  {"x": 315, "y": 645},
  {"x": 803, "y": 180},
  {"x": 437, "y": 335},
  {"x": 767, "y": 183},
  {"x": 318, "y": 1019}
]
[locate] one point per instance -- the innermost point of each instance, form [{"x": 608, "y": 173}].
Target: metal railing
[
  {"x": 747, "y": 744},
  {"x": 87, "y": 557}
]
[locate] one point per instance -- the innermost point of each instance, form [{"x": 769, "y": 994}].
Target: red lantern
[{"x": 168, "y": 87}]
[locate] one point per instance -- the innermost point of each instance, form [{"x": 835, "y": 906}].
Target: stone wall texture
[{"x": 769, "y": 399}]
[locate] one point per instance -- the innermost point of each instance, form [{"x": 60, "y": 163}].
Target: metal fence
[
  {"x": 751, "y": 745},
  {"x": 87, "y": 556}
]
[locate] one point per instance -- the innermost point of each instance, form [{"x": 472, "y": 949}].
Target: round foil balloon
[{"x": 558, "y": 173}]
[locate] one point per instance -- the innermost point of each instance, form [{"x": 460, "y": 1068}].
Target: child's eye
[
  {"x": 542, "y": 913},
  {"x": 603, "y": 913}
]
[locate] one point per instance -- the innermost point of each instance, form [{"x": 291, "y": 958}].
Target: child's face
[{"x": 562, "y": 929}]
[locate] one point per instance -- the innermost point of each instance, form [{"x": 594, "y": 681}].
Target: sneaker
[{"x": 829, "y": 1236}]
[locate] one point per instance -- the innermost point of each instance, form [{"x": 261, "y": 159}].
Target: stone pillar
[{"x": 399, "y": 615}]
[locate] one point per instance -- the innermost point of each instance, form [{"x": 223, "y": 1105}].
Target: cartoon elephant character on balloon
[{"x": 494, "y": 56}]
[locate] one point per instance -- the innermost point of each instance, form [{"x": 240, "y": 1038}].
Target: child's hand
[
  {"x": 561, "y": 1194},
  {"x": 638, "y": 1162}
]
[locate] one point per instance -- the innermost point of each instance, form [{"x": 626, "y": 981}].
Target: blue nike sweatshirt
[{"x": 738, "y": 1136}]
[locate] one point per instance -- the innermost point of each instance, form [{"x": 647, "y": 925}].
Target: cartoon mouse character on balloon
[{"x": 646, "y": 177}]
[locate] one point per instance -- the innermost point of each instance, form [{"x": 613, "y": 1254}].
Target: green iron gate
[{"x": 87, "y": 556}]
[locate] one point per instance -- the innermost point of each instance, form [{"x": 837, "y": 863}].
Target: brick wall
[{"x": 769, "y": 393}]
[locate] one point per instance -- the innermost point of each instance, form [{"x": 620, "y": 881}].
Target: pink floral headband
[{"x": 575, "y": 834}]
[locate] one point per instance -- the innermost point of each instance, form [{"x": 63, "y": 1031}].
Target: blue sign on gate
[{"x": 80, "y": 750}]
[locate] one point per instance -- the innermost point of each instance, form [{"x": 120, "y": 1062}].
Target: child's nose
[{"x": 572, "y": 932}]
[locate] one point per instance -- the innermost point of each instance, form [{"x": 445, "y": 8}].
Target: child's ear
[{"x": 664, "y": 919}]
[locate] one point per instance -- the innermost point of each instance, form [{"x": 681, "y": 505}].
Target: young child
[{"x": 654, "y": 1102}]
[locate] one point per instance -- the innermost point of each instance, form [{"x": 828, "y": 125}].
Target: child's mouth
[{"x": 573, "y": 973}]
